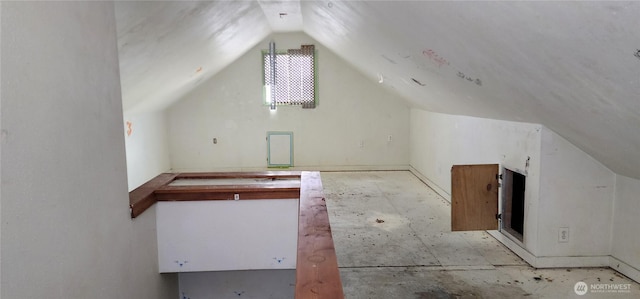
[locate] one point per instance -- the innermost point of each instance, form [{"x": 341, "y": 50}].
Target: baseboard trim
[
  {"x": 300, "y": 168},
  {"x": 431, "y": 184},
  {"x": 550, "y": 261},
  {"x": 568, "y": 261},
  {"x": 572, "y": 261},
  {"x": 624, "y": 268},
  {"x": 513, "y": 246},
  {"x": 353, "y": 168}
]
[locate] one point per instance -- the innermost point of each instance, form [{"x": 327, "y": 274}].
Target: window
[{"x": 295, "y": 80}]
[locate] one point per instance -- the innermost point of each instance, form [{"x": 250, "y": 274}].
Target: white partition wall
[
  {"x": 66, "y": 231},
  {"x": 227, "y": 235},
  {"x": 238, "y": 284}
]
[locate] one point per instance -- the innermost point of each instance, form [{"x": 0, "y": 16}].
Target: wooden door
[{"x": 474, "y": 197}]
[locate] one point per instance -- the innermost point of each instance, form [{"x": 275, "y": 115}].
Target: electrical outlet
[
  {"x": 236, "y": 196},
  {"x": 563, "y": 235}
]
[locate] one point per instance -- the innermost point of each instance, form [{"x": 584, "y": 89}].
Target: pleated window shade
[{"x": 295, "y": 82}]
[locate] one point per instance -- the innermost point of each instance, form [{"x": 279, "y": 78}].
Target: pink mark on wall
[
  {"x": 433, "y": 56},
  {"x": 129, "y": 129}
]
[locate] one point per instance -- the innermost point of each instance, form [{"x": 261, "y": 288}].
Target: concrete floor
[{"x": 393, "y": 240}]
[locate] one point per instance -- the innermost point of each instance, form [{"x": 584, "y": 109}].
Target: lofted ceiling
[{"x": 571, "y": 66}]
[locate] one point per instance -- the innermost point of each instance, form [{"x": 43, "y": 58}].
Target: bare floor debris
[{"x": 393, "y": 240}]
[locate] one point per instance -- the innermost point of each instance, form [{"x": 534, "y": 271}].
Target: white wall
[
  {"x": 576, "y": 191},
  {"x": 565, "y": 186},
  {"x": 262, "y": 284},
  {"x": 229, "y": 107},
  {"x": 439, "y": 141},
  {"x": 66, "y": 229},
  {"x": 147, "y": 146},
  {"x": 2, "y": 136},
  {"x": 223, "y": 235},
  {"x": 626, "y": 225}
]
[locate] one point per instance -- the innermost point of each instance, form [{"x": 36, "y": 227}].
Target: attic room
[{"x": 98, "y": 98}]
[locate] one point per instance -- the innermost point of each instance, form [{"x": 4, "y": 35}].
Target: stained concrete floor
[{"x": 393, "y": 240}]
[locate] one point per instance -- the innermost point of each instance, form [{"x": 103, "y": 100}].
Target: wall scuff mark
[
  {"x": 440, "y": 61},
  {"x": 129, "y": 129},
  {"x": 468, "y": 78},
  {"x": 418, "y": 82},
  {"x": 181, "y": 263},
  {"x": 389, "y": 59},
  {"x": 433, "y": 56},
  {"x": 279, "y": 260},
  {"x": 637, "y": 53}
]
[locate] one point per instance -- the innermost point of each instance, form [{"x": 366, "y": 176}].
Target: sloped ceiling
[
  {"x": 166, "y": 48},
  {"x": 571, "y": 66}
]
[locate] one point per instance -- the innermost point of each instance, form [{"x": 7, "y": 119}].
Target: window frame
[{"x": 290, "y": 101}]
